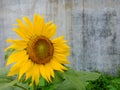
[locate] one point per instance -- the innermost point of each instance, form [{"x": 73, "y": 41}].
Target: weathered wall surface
[{"x": 92, "y": 28}]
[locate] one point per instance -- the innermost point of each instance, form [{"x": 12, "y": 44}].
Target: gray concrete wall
[{"x": 92, "y": 28}]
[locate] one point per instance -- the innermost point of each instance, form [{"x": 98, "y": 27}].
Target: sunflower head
[{"x": 36, "y": 55}]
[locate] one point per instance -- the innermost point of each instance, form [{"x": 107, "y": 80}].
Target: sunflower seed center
[{"x": 40, "y": 49}]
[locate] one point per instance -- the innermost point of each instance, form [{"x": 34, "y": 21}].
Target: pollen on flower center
[{"x": 40, "y": 49}]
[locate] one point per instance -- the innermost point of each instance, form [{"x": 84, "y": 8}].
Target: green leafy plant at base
[
  {"x": 105, "y": 82},
  {"x": 10, "y": 83},
  {"x": 69, "y": 80}
]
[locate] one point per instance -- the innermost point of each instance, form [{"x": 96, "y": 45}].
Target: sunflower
[{"x": 37, "y": 54}]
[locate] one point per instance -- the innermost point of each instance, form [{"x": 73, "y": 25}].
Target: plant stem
[
  {"x": 34, "y": 87},
  {"x": 42, "y": 88},
  {"x": 20, "y": 86}
]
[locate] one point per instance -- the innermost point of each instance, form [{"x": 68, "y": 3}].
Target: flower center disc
[{"x": 40, "y": 50}]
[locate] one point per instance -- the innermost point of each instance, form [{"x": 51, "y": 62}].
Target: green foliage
[
  {"x": 5, "y": 81},
  {"x": 105, "y": 82},
  {"x": 99, "y": 84},
  {"x": 10, "y": 83},
  {"x": 69, "y": 80},
  {"x": 3, "y": 72},
  {"x": 42, "y": 82},
  {"x": 115, "y": 84}
]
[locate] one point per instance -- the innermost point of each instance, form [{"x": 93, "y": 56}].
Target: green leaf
[
  {"x": 76, "y": 80},
  {"x": 72, "y": 81},
  {"x": 4, "y": 71},
  {"x": 112, "y": 87},
  {"x": 71, "y": 84},
  {"x": 66, "y": 85},
  {"x": 88, "y": 76},
  {"x": 8, "y": 83},
  {"x": 50, "y": 87},
  {"x": 115, "y": 83},
  {"x": 58, "y": 78},
  {"x": 4, "y": 86},
  {"x": 42, "y": 82},
  {"x": 3, "y": 75},
  {"x": 4, "y": 80},
  {"x": 22, "y": 86}
]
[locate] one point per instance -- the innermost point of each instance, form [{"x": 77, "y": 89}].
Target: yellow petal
[
  {"x": 43, "y": 72},
  {"x": 61, "y": 50},
  {"x": 36, "y": 74},
  {"x": 28, "y": 74},
  {"x": 18, "y": 44},
  {"x": 16, "y": 56},
  {"x": 27, "y": 65},
  {"x": 59, "y": 40},
  {"x": 49, "y": 72},
  {"x": 21, "y": 34},
  {"x": 38, "y": 23},
  {"x": 14, "y": 70},
  {"x": 57, "y": 66},
  {"x": 50, "y": 30},
  {"x": 48, "y": 24},
  {"x": 22, "y": 30},
  {"x": 29, "y": 24},
  {"x": 11, "y": 46},
  {"x": 61, "y": 58},
  {"x": 60, "y": 46}
]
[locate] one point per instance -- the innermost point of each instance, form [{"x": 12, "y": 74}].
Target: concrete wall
[{"x": 92, "y": 28}]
